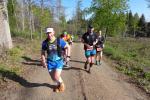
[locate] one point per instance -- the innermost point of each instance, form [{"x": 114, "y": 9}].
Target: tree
[
  {"x": 130, "y": 23},
  {"x": 5, "y": 37},
  {"x": 142, "y": 26},
  {"x": 63, "y": 22},
  {"x": 135, "y": 23},
  {"x": 106, "y": 14},
  {"x": 79, "y": 18},
  {"x": 11, "y": 6},
  {"x": 148, "y": 3},
  {"x": 30, "y": 3},
  {"x": 23, "y": 14},
  {"x": 148, "y": 29}
]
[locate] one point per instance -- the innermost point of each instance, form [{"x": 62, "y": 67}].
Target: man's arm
[
  {"x": 67, "y": 49},
  {"x": 96, "y": 39},
  {"x": 43, "y": 59},
  {"x": 95, "y": 42}
]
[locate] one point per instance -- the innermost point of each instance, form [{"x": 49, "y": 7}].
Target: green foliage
[
  {"x": 109, "y": 15},
  {"x": 142, "y": 26},
  {"x": 44, "y": 17},
  {"x": 40, "y": 19},
  {"x": 7, "y": 72},
  {"x": 6, "y": 69},
  {"x": 132, "y": 57},
  {"x": 108, "y": 51},
  {"x": 15, "y": 53},
  {"x": 63, "y": 22},
  {"x": 75, "y": 38},
  {"x": 11, "y": 6},
  {"x": 147, "y": 76},
  {"x": 15, "y": 33}
]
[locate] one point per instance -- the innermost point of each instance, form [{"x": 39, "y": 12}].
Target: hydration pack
[{"x": 55, "y": 46}]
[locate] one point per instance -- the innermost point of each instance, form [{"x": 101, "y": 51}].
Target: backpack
[{"x": 60, "y": 51}]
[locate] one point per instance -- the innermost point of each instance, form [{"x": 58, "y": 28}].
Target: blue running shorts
[
  {"x": 55, "y": 65},
  {"x": 90, "y": 53}
]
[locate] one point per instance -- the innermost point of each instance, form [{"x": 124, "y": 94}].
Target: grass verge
[{"x": 132, "y": 57}]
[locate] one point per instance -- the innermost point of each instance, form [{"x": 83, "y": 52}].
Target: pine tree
[
  {"x": 142, "y": 26},
  {"x": 148, "y": 29},
  {"x": 130, "y": 24}
]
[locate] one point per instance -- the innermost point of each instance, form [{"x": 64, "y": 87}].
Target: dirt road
[{"x": 104, "y": 83}]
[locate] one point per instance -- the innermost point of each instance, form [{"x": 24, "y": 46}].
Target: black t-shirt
[
  {"x": 89, "y": 38},
  {"x": 101, "y": 40}
]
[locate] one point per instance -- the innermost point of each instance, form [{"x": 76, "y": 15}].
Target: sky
[{"x": 139, "y": 6}]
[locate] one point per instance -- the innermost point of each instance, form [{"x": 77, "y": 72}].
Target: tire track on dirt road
[{"x": 82, "y": 85}]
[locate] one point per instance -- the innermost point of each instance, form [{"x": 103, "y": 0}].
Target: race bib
[
  {"x": 91, "y": 48},
  {"x": 99, "y": 49}
]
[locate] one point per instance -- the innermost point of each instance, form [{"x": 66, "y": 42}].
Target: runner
[
  {"x": 89, "y": 40},
  {"x": 54, "y": 62},
  {"x": 68, "y": 39},
  {"x": 99, "y": 48}
]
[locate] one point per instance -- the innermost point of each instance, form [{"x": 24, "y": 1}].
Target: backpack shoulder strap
[
  {"x": 59, "y": 49},
  {"x": 46, "y": 41}
]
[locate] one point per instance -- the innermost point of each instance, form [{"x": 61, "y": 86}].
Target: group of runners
[
  {"x": 93, "y": 46},
  {"x": 58, "y": 51}
]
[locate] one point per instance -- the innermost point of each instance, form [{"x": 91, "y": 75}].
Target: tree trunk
[
  {"x": 5, "y": 37},
  {"x": 15, "y": 16},
  {"x": 30, "y": 18},
  {"x": 22, "y": 14},
  {"x": 33, "y": 27},
  {"x": 42, "y": 7}
]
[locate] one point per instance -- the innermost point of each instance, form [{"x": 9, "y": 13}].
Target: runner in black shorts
[{"x": 99, "y": 48}]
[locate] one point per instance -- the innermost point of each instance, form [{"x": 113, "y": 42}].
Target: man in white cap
[{"x": 54, "y": 63}]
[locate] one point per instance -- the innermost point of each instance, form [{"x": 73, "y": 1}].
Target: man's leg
[
  {"x": 100, "y": 57},
  {"x": 97, "y": 57},
  {"x": 87, "y": 55},
  {"x": 92, "y": 60},
  {"x": 58, "y": 79},
  {"x": 68, "y": 53},
  {"x": 88, "y": 60}
]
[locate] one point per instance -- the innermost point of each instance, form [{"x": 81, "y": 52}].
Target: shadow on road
[
  {"x": 74, "y": 68},
  {"x": 30, "y": 61},
  {"x": 77, "y": 61},
  {"x": 13, "y": 76}
]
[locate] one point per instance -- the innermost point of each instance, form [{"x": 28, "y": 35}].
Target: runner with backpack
[{"x": 54, "y": 47}]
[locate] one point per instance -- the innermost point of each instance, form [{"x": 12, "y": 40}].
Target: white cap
[{"x": 49, "y": 30}]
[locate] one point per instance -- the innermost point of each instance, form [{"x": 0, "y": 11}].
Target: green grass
[
  {"x": 7, "y": 71},
  {"x": 132, "y": 57},
  {"x": 10, "y": 64},
  {"x": 11, "y": 60},
  {"x": 4, "y": 68},
  {"x": 15, "y": 53},
  {"x": 26, "y": 34}
]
